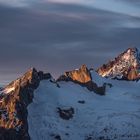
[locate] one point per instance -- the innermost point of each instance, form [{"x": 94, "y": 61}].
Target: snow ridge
[{"x": 115, "y": 116}]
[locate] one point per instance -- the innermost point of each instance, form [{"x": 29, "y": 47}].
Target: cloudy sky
[{"x": 59, "y": 35}]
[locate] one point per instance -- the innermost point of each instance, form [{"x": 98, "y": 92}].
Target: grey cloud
[{"x": 61, "y": 37}]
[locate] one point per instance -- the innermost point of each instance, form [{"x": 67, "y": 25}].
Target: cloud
[
  {"x": 121, "y": 6},
  {"x": 60, "y": 36},
  {"x": 14, "y": 3},
  {"x": 64, "y": 1}
]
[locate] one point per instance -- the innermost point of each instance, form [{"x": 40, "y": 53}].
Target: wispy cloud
[
  {"x": 14, "y": 3},
  {"x": 119, "y": 6},
  {"x": 59, "y": 36}
]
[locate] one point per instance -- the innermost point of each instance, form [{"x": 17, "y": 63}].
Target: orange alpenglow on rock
[
  {"x": 132, "y": 74},
  {"x": 14, "y": 99},
  {"x": 125, "y": 67},
  {"x": 81, "y": 75}
]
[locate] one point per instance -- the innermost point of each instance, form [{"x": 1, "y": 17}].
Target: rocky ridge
[
  {"x": 124, "y": 67},
  {"x": 15, "y": 97},
  {"x": 14, "y": 100},
  {"x": 83, "y": 77}
]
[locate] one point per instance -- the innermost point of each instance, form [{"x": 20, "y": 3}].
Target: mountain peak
[
  {"x": 81, "y": 75},
  {"x": 14, "y": 99},
  {"x": 131, "y": 52},
  {"x": 84, "y": 67},
  {"x": 126, "y": 66},
  {"x": 132, "y": 49}
]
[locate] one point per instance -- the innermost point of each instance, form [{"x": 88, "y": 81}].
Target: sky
[{"x": 60, "y": 35}]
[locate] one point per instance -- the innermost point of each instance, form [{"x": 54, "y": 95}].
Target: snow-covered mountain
[
  {"x": 126, "y": 66},
  {"x": 37, "y": 107},
  {"x": 14, "y": 99},
  {"x": 72, "y": 112}
]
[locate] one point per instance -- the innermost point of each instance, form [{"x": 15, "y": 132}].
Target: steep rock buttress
[
  {"x": 83, "y": 77},
  {"x": 14, "y": 100}
]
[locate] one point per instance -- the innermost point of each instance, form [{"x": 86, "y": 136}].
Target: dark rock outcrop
[
  {"x": 91, "y": 86},
  {"x": 13, "y": 105},
  {"x": 81, "y": 102},
  {"x": 56, "y": 136},
  {"x": 82, "y": 77},
  {"x": 66, "y": 113}
]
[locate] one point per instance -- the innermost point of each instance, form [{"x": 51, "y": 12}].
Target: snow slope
[{"x": 114, "y": 116}]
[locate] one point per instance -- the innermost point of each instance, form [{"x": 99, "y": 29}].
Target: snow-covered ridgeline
[{"x": 114, "y": 116}]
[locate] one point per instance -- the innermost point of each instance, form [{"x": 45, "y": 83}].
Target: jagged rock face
[
  {"x": 132, "y": 74},
  {"x": 81, "y": 75},
  {"x": 126, "y": 66},
  {"x": 14, "y": 100}
]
